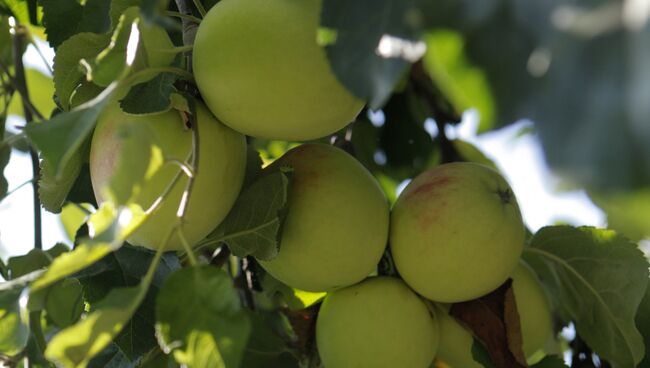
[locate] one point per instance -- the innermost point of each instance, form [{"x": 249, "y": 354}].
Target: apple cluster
[{"x": 455, "y": 233}]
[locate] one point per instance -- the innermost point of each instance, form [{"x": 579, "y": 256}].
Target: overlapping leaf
[{"x": 597, "y": 278}]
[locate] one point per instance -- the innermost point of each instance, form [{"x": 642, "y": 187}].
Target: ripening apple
[
  {"x": 336, "y": 227},
  {"x": 260, "y": 70},
  {"x": 377, "y": 323},
  {"x": 222, "y": 160},
  {"x": 455, "y": 347},
  {"x": 456, "y": 232}
]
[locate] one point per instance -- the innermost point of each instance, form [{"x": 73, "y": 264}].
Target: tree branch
[
  {"x": 441, "y": 109},
  {"x": 21, "y": 86}
]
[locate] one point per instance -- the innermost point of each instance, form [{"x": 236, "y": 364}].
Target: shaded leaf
[
  {"x": 253, "y": 225},
  {"x": 202, "y": 329},
  {"x": 597, "y": 278},
  {"x": 68, "y": 73},
  {"x": 125, "y": 267},
  {"x": 109, "y": 236},
  {"x": 494, "y": 320},
  {"x": 550, "y": 361},
  {"x": 113, "y": 62},
  {"x": 19, "y": 266},
  {"x": 65, "y": 18},
  {"x": 643, "y": 324},
  {"x": 64, "y": 302},
  {"x": 371, "y": 44},
  {"x": 77, "y": 344},
  {"x": 53, "y": 189},
  {"x": 59, "y": 138},
  {"x": 151, "y": 96}
]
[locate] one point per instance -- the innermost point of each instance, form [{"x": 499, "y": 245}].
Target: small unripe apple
[
  {"x": 533, "y": 307},
  {"x": 260, "y": 70},
  {"x": 456, "y": 232},
  {"x": 456, "y": 342},
  {"x": 377, "y": 323},
  {"x": 222, "y": 160},
  {"x": 336, "y": 227}
]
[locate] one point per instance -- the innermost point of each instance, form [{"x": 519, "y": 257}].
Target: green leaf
[
  {"x": 253, "y": 165},
  {"x": 597, "y": 278},
  {"x": 109, "y": 236},
  {"x": 14, "y": 322},
  {"x": 469, "y": 152},
  {"x": 125, "y": 267},
  {"x": 253, "y": 225},
  {"x": 68, "y": 73},
  {"x": 481, "y": 355},
  {"x": 283, "y": 295},
  {"x": 266, "y": 348},
  {"x": 19, "y": 266},
  {"x": 77, "y": 344},
  {"x": 355, "y": 31},
  {"x": 64, "y": 302},
  {"x": 643, "y": 324},
  {"x": 41, "y": 93},
  {"x": 465, "y": 84},
  {"x": 550, "y": 361},
  {"x": 203, "y": 329},
  {"x": 627, "y": 212},
  {"x": 53, "y": 189},
  {"x": 113, "y": 62},
  {"x": 150, "y": 97},
  {"x": 60, "y": 138},
  {"x": 65, "y": 18}
]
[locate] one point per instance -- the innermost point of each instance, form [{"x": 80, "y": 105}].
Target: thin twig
[
  {"x": 21, "y": 87},
  {"x": 190, "y": 27},
  {"x": 199, "y": 7},
  {"x": 15, "y": 189},
  {"x": 183, "y": 16},
  {"x": 25, "y": 98}
]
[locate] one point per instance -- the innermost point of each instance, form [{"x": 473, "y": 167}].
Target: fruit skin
[
  {"x": 336, "y": 227},
  {"x": 222, "y": 160},
  {"x": 456, "y": 232},
  {"x": 377, "y": 323},
  {"x": 455, "y": 347},
  {"x": 533, "y": 307},
  {"x": 261, "y": 72}
]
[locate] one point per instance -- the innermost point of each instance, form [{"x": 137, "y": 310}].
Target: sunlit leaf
[
  {"x": 253, "y": 225},
  {"x": 597, "y": 278},
  {"x": 203, "y": 329}
]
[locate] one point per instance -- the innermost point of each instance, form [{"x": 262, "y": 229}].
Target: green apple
[
  {"x": 336, "y": 227},
  {"x": 222, "y": 160},
  {"x": 455, "y": 347},
  {"x": 456, "y": 232},
  {"x": 377, "y": 323},
  {"x": 533, "y": 307},
  {"x": 260, "y": 70}
]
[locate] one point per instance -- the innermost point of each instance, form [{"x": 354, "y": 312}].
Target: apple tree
[{"x": 273, "y": 183}]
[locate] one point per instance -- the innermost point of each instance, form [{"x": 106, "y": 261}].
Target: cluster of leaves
[{"x": 105, "y": 303}]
